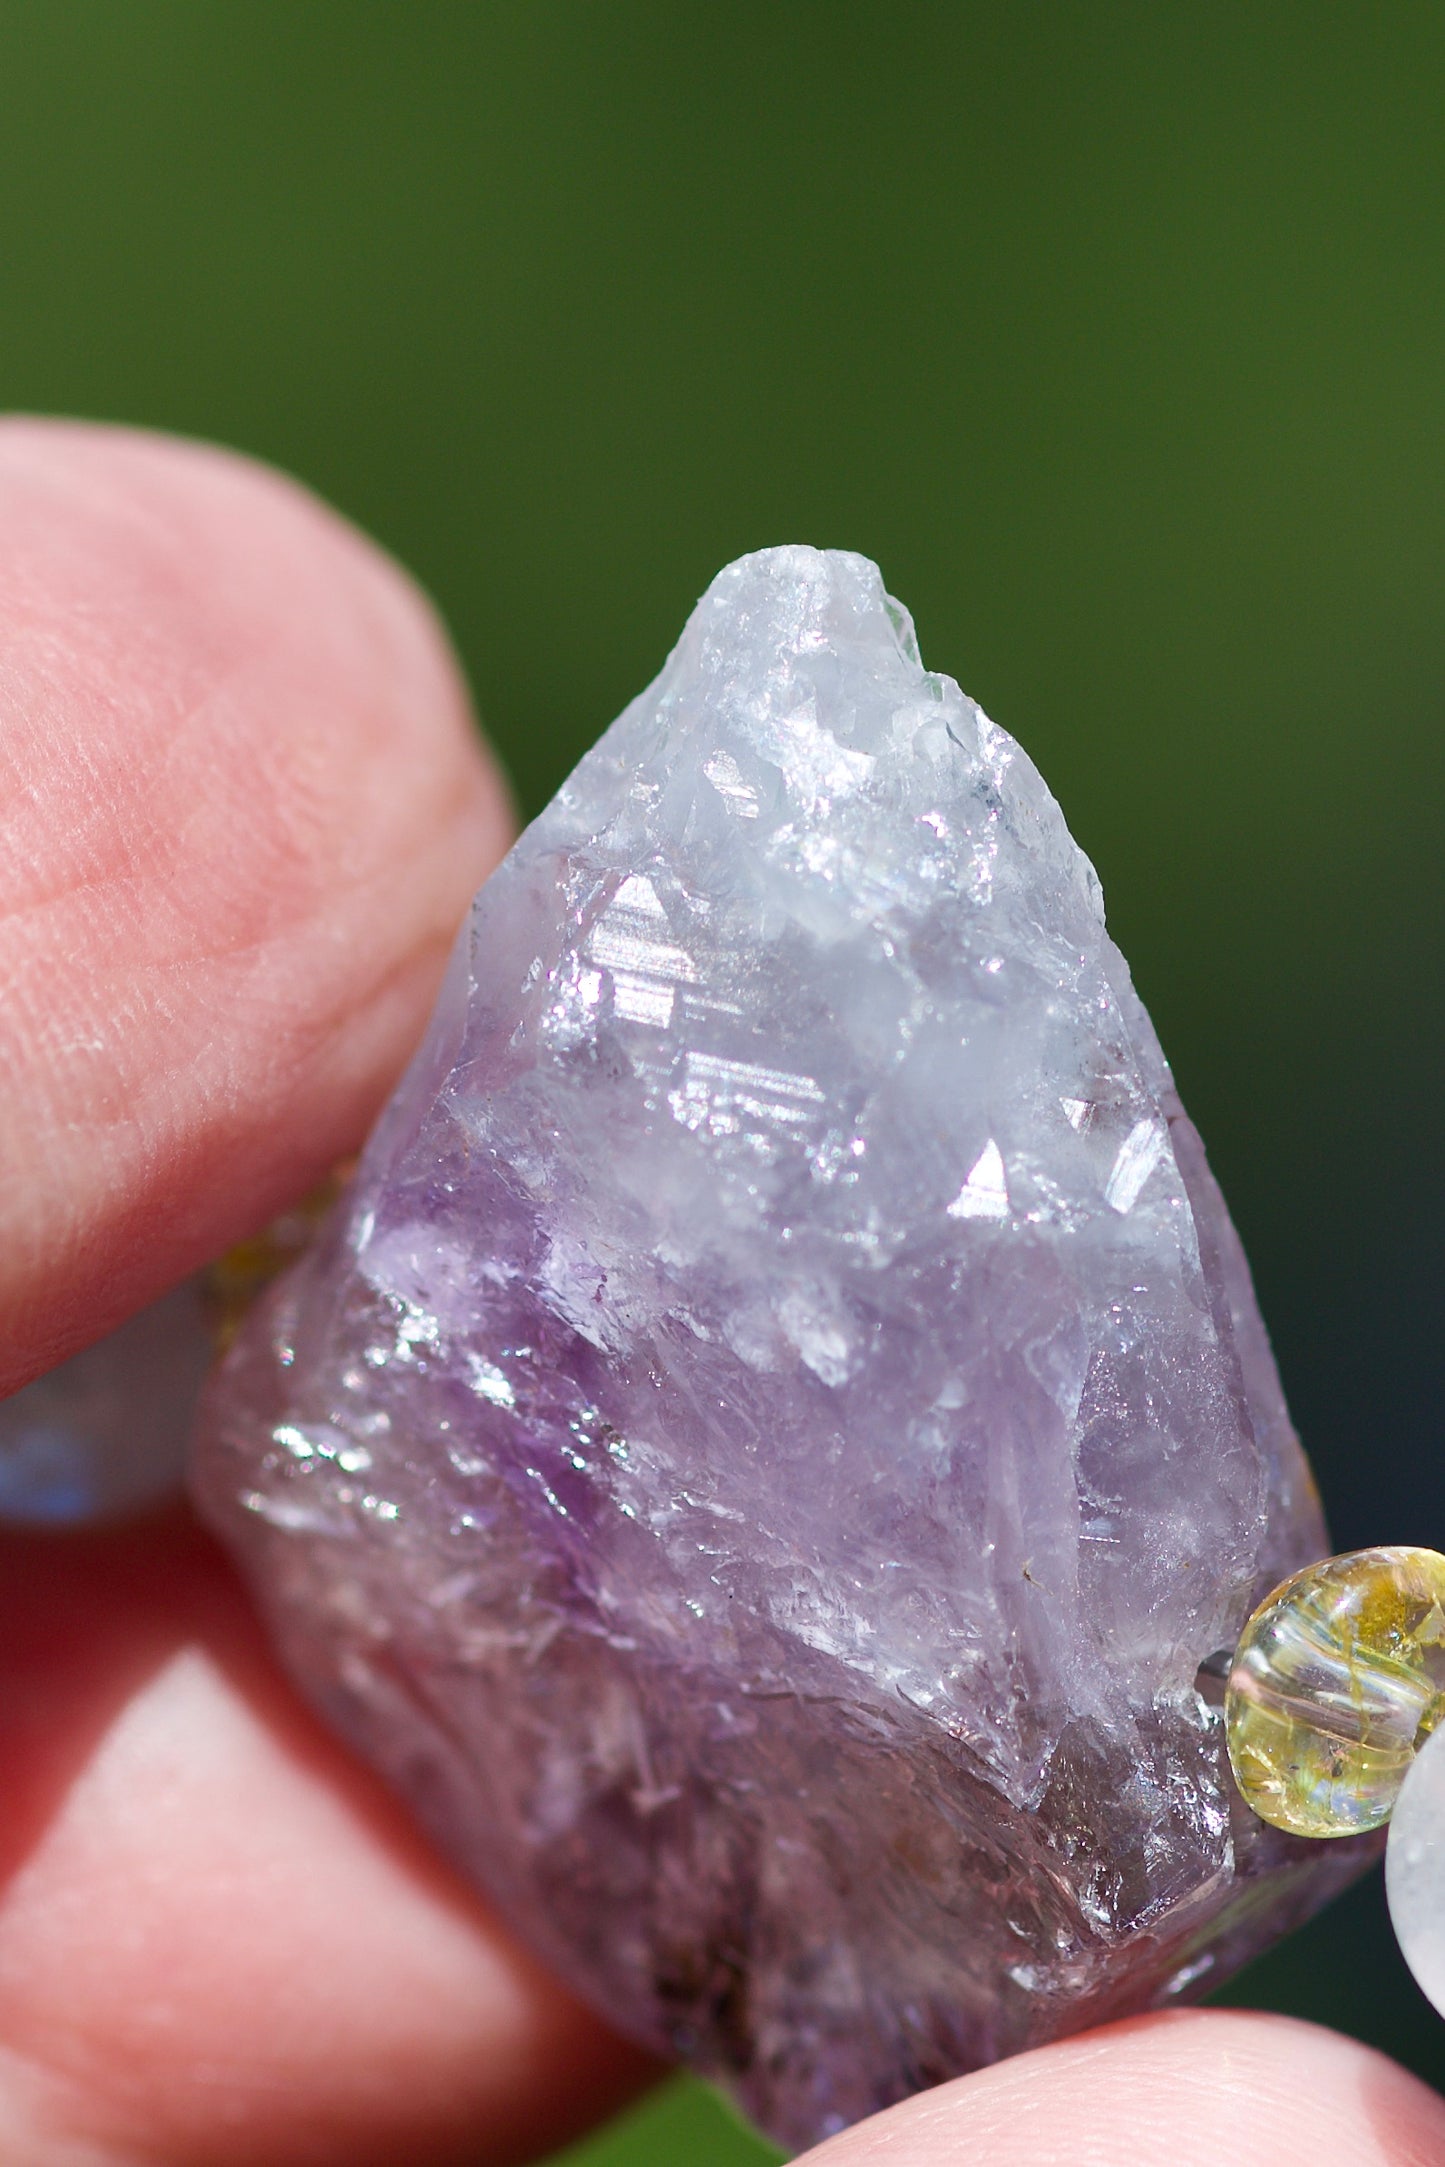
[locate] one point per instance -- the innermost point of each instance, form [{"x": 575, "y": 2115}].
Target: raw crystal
[{"x": 763, "y": 1452}]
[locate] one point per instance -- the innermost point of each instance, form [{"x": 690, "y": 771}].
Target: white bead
[{"x": 1415, "y": 1869}]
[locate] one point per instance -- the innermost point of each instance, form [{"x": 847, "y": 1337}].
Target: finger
[
  {"x": 241, "y": 809},
  {"x": 1194, "y": 2088},
  {"x": 220, "y": 1942}
]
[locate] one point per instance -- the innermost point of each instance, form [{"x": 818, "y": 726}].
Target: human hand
[{"x": 241, "y": 811}]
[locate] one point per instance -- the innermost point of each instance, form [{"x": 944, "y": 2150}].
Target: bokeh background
[{"x": 1116, "y": 334}]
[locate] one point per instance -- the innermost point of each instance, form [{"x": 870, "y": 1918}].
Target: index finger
[{"x": 241, "y": 810}]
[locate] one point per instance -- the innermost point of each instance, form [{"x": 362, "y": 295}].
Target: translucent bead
[
  {"x": 105, "y": 1434},
  {"x": 1415, "y": 1869},
  {"x": 1337, "y": 1680}
]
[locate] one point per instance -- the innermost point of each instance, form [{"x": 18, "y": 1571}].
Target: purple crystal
[{"x": 764, "y": 1450}]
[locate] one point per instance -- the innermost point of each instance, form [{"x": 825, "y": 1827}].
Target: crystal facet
[
  {"x": 763, "y": 1450},
  {"x": 1338, "y": 1677}
]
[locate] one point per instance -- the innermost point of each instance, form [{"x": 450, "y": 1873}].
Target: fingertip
[
  {"x": 242, "y": 808},
  {"x": 1192, "y": 2087}
]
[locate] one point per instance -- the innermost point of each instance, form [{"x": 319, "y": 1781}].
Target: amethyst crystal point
[{"x": 762, "y": 1453}]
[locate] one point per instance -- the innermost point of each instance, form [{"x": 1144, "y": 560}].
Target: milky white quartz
[{"x": 1415, "y": 1869}]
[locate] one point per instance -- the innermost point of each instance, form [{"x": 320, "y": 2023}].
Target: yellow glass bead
[{"x": 1338, "y": 1677}]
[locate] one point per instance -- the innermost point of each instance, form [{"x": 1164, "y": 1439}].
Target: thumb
[{"x": 1196, "y": 2088}]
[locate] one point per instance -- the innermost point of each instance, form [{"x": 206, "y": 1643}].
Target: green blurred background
[{"x": 1117, "y": 335}]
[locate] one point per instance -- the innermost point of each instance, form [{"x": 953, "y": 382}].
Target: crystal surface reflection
[{"x": 782, "y": 1415}]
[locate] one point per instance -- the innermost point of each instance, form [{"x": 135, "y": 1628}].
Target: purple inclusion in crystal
[{"x": 763, "y": 1450}]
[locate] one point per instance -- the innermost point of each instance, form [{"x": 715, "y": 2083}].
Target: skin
[{"x": 242, "y": 807}]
